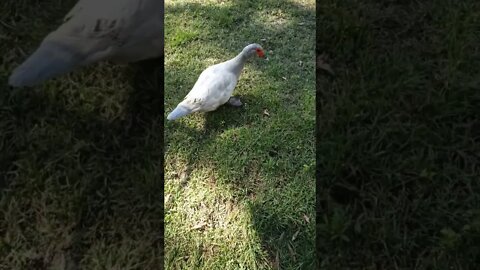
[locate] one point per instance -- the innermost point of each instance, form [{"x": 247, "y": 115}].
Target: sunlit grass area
[
  {"x": 80, "y": 157},
  {"x": 240, "y": 186},
  {"x": 399, "y": 134}
]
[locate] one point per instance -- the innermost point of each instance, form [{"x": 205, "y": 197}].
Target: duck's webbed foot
[{"x": 234, "y": 101}]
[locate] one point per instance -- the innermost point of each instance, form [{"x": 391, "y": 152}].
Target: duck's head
[{"x": 253, "y": 48}]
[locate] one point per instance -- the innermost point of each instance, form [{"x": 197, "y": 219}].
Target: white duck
[
  {"x": 118, "y": 30},
  {"x": 215, "y": 85}
]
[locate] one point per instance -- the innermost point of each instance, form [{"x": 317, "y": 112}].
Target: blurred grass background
[
  {"x": 398, "y": 134},
  {"x": 80, "y": 157}
]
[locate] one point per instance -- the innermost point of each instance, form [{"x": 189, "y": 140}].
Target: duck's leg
[{"x": 234, "y": 101}]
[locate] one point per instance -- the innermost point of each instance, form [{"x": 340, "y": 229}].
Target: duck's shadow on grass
[
  {"x": 222, "y": 119},
  {"x": 226, "y": 117}
]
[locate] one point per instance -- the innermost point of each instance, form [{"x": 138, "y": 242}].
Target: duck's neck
[{"x": 236, "y": 64}]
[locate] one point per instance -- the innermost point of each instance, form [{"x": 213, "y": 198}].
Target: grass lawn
[
  {"x": 399, "y": 135},
  {"x": 80, "y": 157},
  {"x": 240, "y": 186}
]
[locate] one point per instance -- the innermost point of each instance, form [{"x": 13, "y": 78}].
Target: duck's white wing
[{"x": 212, "y": 89}]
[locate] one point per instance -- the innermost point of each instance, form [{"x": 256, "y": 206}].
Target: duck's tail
[
  {"x": 178, "y": 112},
  {"x": 51, "y": 59}
]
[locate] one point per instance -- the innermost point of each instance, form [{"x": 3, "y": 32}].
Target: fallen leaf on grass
[
  {"x": 292, "y": 253},
  {"x": 295, "y": 235},
  {"x": 200, "y": 226},
  {"x": 306, "y": 218},
  {"x": 183, "y": 177},
  {"x": 281, "y": 236},
  {"x": 277, "y": 260},
  {"x": 167, "y": 198}
]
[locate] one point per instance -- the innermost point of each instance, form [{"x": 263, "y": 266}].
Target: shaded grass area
[
  {"x": 399, "y": 135},
  {"x": 80, "y": 157},
  {"x": 240, "y": 181}
]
